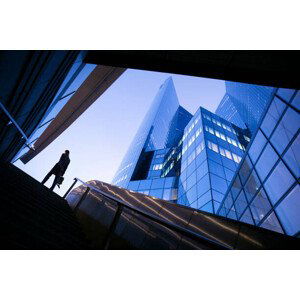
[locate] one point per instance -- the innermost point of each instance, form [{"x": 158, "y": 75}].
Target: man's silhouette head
[{"x": 67, "y": 152}]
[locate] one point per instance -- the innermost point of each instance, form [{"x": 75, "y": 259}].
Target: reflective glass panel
[
  {"x": 203, "y": 185},
  {"x": 245, "y": 170},
  {"x": 216, "y": 168},
  {"x": 272, "y": 223},
  {"x": 236, "y": 187},
  {"x": 278, "y": 182},
  {"x": 246, "y": 217},
  {"x": 292, "y": 157},
  {"x": 252, "y": 186},
  {"x": 288, "y": 211},
  {"x": 157, "y": 183},
  {"x": 218, "y": 183},
  {"x": 240, "y": 203},
  {"x": 257, "y": 146},
  {"x": 285, "y": 130},
  {"x": 272, "y": 116},
  {"x": 260, "y": 206},
  {"x": 286, "y": 94},
  {"x": 204, "y": 198},
  {"x": 296, "y": 100},
  {"x": 266, "y": 162}
]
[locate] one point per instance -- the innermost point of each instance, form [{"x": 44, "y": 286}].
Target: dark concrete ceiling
[{"x": 271, "y": 68}]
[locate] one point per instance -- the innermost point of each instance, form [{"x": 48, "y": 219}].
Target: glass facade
[
  {"x": 244, "y": 104},
  {"x": 227, "y": 110},
  {"x": 212, "y": 149},
  {"x": 206, "y": 162},
  {"x": 154, "y": 148},
  {"x": 265, "y": 189}
]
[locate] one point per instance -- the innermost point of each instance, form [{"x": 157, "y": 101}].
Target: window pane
[
  {"x": 145, "y": 184},
  {"x": 240, "y": 204},
  {"x": 278, "y": 182},
  {"x": 272, "y": 116},
  {"x": 167, "y": 194},
  {"x": 208, "y": 207},
  {"x": 192, "y": 194},
  {"x": 257, "y": 145},
  {"x": 247, "y": 218},
  {"x": 202, "y": 200},
  {"x": 218, "y": 183},
  {"x": 260, "y": 206},
  {"x": 203, "y": 185},
  {"x": 292, "y": 157},
  {"x": 272, "y": 223},
  {"x": 252, "y": 186},
  {"x": 245, "y": 170},
  {"x": 216, "y": 168},
  {"x": 288, "y": 211},
  {"x": 286, "y": 94},
  {"x": 286, "y": 130},
  {"x": 156, "y": 193},
  {"x": 296, "y": 100},
  {"x": 266, "y": 162},
  {"x": 191, "y": 181},
  {"x": 133, "y": 185},
  {"x": 228, "y": 174},
  {"x": 236, "y": 187},
  {"x": 157, "y": 183}
]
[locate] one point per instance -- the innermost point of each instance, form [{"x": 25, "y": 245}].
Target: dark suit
[{"x": 58, "y": 170}]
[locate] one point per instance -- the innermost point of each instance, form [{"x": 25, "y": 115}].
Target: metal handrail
[
  {"x": 148, "y": 215},
  {"x": 12, "y": 120}
]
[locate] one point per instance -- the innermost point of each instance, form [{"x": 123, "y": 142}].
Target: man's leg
[
  {"x": 55, "y": 181},
  {"x": 47, "y": 176}
]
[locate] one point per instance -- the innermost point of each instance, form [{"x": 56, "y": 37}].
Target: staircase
[{"x": 33, "y": 217}]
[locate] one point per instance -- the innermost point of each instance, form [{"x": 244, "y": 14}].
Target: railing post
[
  {"x": 113, "y": 226},
  {"x": 81, "y": 199},
  {"x": 70, "y": 188}
]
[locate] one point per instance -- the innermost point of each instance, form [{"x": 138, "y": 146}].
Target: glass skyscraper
[
  {"x": 209, "y": 163},
  {"x": 244, "y": 104},
  {"x": 142, "y": 167},
  {"x": 265, "y": 190}
]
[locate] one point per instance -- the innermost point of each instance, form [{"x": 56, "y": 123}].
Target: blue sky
[{"x": 100, "y": 137}]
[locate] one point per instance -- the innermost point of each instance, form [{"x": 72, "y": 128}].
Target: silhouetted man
[{"x": 59, "y": 169}]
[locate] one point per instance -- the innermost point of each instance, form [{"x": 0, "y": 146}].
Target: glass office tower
[
  {"x": 212, "y": 149},
  {"x": 208, "y": 163},
  {"x": 244, "y": 104},
  {"x": 265, "y": 189},
  {"x": 156, "y": 139},
  {"x": 176, "y": 156},
  {"x": 227, "y": 110}
]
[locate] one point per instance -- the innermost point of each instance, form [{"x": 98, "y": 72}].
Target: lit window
[
  {"x": 241, "y": 146},
  {"x": 215, "y": 147},
  {"x": 224, "y": 126},
  {"x": 228, "y": 139},
  {"x": 228, "y": 154},
  {"x": 236, "y": 158},
  {"x": 214, "y": 121},
  {"x": 219, "y": 124},
  {"x": 199, "y": 148},
  {"x": 217, "y": 134},
  {"x": 246, "y": 138},
  {"x": 206, "y": 128},
  {"x": 222, "y": 152},
  {"x": 234, "y": 142},
  {"x": 228, "y": 128},
  {"x": 223, "y": 136},
  {"x": 211, "y": 130}
]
